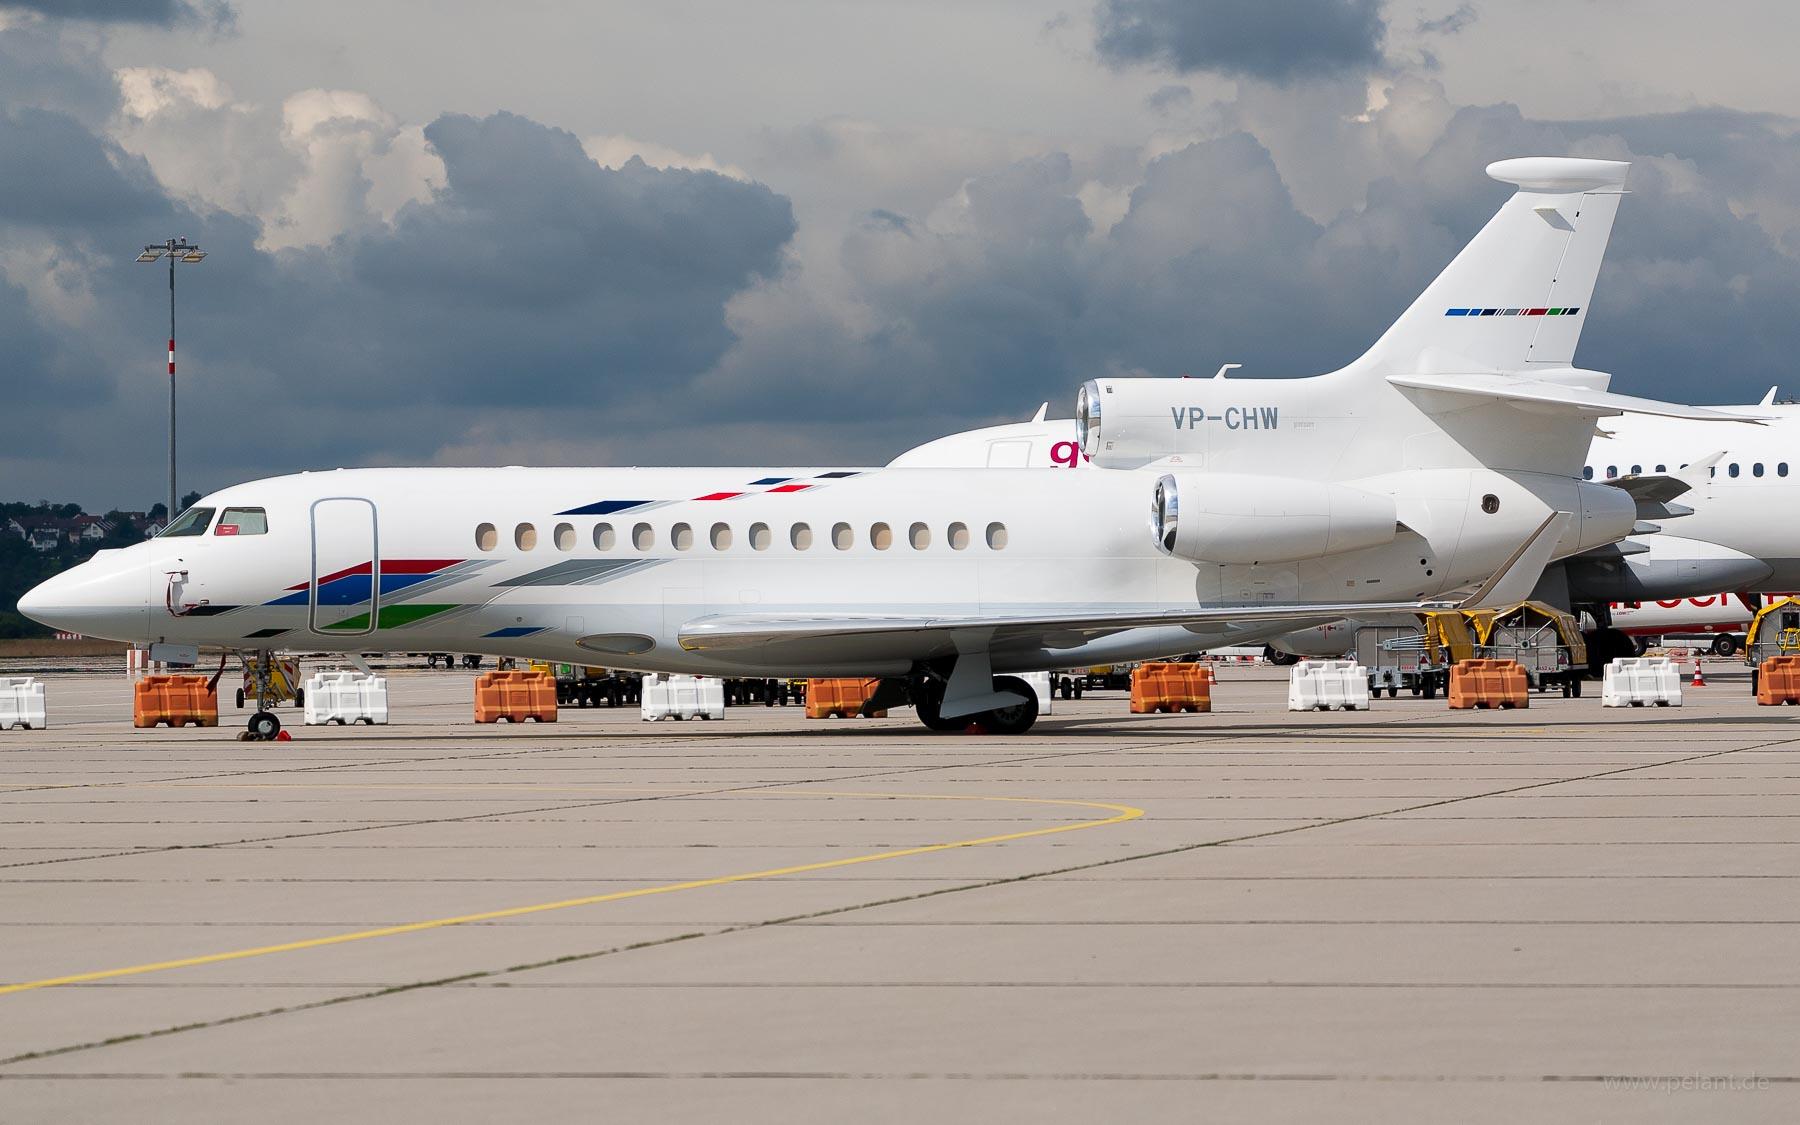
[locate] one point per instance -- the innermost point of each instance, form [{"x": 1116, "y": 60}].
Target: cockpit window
[
  {"x": 243, "y": 521},
  {"x": 191, "y": 522}
]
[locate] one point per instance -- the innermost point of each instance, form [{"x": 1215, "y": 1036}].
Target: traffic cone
[{"x": 1699, "y": 680}]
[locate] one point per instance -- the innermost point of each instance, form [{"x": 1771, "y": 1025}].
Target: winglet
[
  {"x": 1519, "y": 575},
  {"x": 1769, "y": 399},
  {"x": 1043, "y": 412}
]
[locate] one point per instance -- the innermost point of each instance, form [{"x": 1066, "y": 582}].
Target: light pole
[{"x": 176, "y": 250}]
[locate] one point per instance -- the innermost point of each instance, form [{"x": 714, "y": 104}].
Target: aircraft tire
[
  {"x": 1016, "y": 719},
  {"x": 264, "y": 725},
  {"x": 926, "y": 701},
  {"x": 1725, "y": 645}
]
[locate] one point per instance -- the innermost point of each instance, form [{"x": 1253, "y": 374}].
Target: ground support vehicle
[
  {"x": 1115, "y": 677},
  {"x": 1544, "y": 640},
  {"x": 448, "y": 660},
  {"x": 1774, "y": 631},
  {"x": 1403, "y": 656},
  {"x": 766, "y": 692},
  {"x": 579, "y": 685}
]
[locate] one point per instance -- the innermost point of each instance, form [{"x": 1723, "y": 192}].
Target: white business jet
[{"x": 1424, "y": 467}]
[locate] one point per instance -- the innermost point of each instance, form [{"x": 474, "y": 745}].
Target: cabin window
[
  {"x": 191, "y": 522},
  {"x": 1636, "y": 469},
  {"x": 565, "y": 537},
  {"x": 1612, "y": 471},
  {"x": 1781, "y": 469},
  {"x": 1732, "y": 470},
  {"x": 643, "y": 537},
  {"x": 525, "y": 537},
  {"x": 996, "y": 536},
  {"x": 605, "y": 538},
  {"x": 881, "y": 536},
  {"x": 721, "y": 537},
  {"x": 1587, "y": 473},
  {"x": 959, "y": 536},
  {"x": 760, "y": 537},
  {"x": 487, "y": 537},
  {"x": 1662, "y": 468},
  {"x": 243, "y": 521},
  {"x": 919, "y": 536},
  {"x": 842, "y": 537},
  {"x": 681, "y": 536},
  {"x": 800, "y": 536},
  {"x": 1756, "y": 469}
]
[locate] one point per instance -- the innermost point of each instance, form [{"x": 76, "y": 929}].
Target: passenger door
[{"x": 344, "y": 589}]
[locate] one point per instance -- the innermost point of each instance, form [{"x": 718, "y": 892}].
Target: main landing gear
[{"x": 1012, "y": 718}]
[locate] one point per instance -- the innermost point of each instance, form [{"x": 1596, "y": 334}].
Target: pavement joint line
[
  {"x": 1656, "y": 1083},
  {"x": 1122, "y": 813},
  {"x": 1028, "y": 876}
]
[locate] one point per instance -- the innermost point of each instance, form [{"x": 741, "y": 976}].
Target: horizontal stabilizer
[{"x": 1535, "y": 394}]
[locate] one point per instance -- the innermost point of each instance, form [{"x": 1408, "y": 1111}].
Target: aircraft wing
[
  {"x": 721, "y": 632},
  {"x": 889, "y": 635},
  {"x": 1559, "y": 397}
]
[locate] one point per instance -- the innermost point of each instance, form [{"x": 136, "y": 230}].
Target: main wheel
[
  {"x": 240, "y": 698},
  {"x": 1725, "y": 646},
  {"x": 1016, "y": 719},
  {"x": 264, "y": 725},
  {"x": 927, "y": 699}
]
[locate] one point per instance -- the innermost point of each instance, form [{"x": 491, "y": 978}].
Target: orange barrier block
[
  {"x": 1778, "y": 680},
  {"x": 1488, "y": 683},
  {"x": 1171, "y": 688},
  {"x": 515, "y": 697},
  {"x": 176, "y": 700},
  {"x": 839, "y": 698}
]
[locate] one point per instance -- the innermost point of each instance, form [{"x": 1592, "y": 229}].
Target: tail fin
[{"x": 1517, "y": 295}]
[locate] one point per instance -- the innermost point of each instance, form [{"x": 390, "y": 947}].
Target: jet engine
[{"x": 1243, "y": 519}]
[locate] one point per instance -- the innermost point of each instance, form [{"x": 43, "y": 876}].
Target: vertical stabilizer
[{"x": 1517, "y": 295}]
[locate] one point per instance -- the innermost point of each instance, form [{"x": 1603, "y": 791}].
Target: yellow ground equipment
[
  {"x": 1774, "y": 631},
  {"x": 1545, "y": 641},
  {"x": 273, "y": 681}
]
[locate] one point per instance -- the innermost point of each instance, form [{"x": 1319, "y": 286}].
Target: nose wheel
[{"x": 264, "y": 726}]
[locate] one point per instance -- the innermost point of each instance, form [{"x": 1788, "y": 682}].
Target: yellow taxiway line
[{"x": 1121, "y": 813}]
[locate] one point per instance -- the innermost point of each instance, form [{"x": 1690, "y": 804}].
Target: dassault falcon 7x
[{"x": 1446, "y": 455}]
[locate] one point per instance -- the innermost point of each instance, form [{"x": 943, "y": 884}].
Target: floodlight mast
[{"x": 175, "y": 249}]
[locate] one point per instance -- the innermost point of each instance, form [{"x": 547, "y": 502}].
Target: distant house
[
  {"x": 44, "y": 538},
  {"x": 89, "y": 528},
  {"x": 14, "y": 527}
]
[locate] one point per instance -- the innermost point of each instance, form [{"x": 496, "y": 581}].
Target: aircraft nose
[{"x": 104, "y": 597}]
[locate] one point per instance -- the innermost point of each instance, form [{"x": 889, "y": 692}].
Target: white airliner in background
[{"x": 1449, "y": 453}]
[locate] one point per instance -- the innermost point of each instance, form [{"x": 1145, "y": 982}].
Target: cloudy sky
[{"x": 813, "y": 231}]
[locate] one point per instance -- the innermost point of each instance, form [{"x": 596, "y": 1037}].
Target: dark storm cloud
[
  {"x": 162, "y": 13},
  {"x": 1274, "y": 40},
  {"x": 55, "y": 173},
  {"x": 532, "y": 276}
]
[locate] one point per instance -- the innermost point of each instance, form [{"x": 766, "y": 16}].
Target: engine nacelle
[
  {"x": 1243, "y": 519},
  {"x": 1671, "y": 567}
]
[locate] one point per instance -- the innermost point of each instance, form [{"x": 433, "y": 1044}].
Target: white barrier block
[
  {"x": 1320, "y": 685},
  {"x": 1044, "y": 685},
  {"x": 1636, "y": 681},
  {"x": 21, "y": 703},
  {"x": 346, "y": 697},
  {"x": 676, "y": 696}
]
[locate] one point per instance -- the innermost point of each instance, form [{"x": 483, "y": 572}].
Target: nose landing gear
[{"x": 266, "y": 681}]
